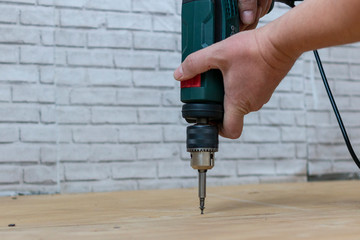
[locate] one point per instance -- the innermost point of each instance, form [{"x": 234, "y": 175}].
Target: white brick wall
[{"x": 88, "y": 103}]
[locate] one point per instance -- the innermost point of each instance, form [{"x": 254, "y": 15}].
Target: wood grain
[{"x": 323, "y": 210}]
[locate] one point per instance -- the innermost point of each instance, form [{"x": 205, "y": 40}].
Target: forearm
[{"x": 315, "y": 24}]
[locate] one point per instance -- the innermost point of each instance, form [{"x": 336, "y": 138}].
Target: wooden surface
[{"x": 328, "y": 210}]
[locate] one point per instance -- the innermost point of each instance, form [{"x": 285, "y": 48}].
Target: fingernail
[
  {"x": 178, "y": 73},
  {"x": 247, "y": 17}
]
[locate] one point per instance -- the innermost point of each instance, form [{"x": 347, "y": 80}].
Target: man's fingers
[
  {"x": 196, "y": 63},
  {"x": 248, "y": 11}
]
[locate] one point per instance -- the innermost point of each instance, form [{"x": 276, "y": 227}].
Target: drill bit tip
[{"x": 202, "y": 205}]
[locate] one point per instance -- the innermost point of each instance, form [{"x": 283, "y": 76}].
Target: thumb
[
  {"x": 196, "y": 63},
  {"x": 233, "y": 122}
]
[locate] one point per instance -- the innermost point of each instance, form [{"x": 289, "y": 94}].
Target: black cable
[{"x": 336, "y": 110}]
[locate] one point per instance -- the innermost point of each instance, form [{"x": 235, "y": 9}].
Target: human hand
[
  {"x": 251, "y": 11},
  {"x": 251, "y": 67}
]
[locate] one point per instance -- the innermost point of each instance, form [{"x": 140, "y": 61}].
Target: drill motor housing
[{"x": 205, "y": 22}]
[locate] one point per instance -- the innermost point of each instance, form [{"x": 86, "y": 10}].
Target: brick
[
  {"x": 38, "y": 134},
  {"x": 70, "y": 38},
  {"x": 154, "y": 41},
  {"x": 8, "y": 134},
  {"x": 237, "y": 151},
  {"x": 37, "y": 55},
  {"x": 5, "y": 94},
  {"x": 60, "y": 57},
  {"x": 109, "y": 77},
  {"x": 337, "y": 71},
  {"x": 49, "y": 154},
  {"x": 323, "y": 103},
  {"x": 40, "y": 175},
  {"x": 63, "y": 95},
  {"x": 277, "y": 118},
  {"x": 67, "y": 76},
  {"x": 292, "y": 101},
  {"x": 10, "y": 175},
  {"x": 63, "y": 3},
  {"x": 47, "y": 74},
  {"x": 11, "y": 73},
  {"x": 139, "y": 170},
  {"x": 345, "y": 167},
  {"x": 93, "y": 96},
  {"x": 95, "y": 135},
  {"x": 320, "y": 167},
  {"x": 165, "y": 6},
  {"x": 73, "y": 152},
  {"x": 157, "y": 151},
  {"x": 347, "y": 87},
  {"x": 19, "y": 153},
  {"x": 175, "y": 170},
  {"x": 252, "y": 119},
  {"x": 327, "y": 152},
  {"x": 90, "y": 59},
  {"x": 153, "y": 79},
  {"x": 83, "y": 19},
  {"x": 39, "y": 17},
  {"x": 48, "y": 114},
  {"x": 75, "y": 187},
  {"x": 19, "y": 114},
  {"x": 138, "y": 133},
  {"x": 170, "y": 60},
  {"x": 110, "y": 5},
  {"x": 291, "y": 167},
  {"x": 19, "y": 36},
  {"x": 110, "y": 40},
  {"x": 255, "y": 167},
  {"x": 318, "y": 118},
  {"x": 65, "y": 134},
  {"x": 114, "y": 153},
  {"x": 282, "y": 179},
  {"x": 47, "y": 37},
  {"x": 129, "y": 21},
  {"x": 174, "y": 133},
  {"x": 293, "y": 134},
  {"x": 144, "y": 97},
  {"x": 136, "y": 60},
  {"x": 78, "y": 172},
  {"x": 9, "y": 15},
  {"x": 224, "y": 169},
  {"x": 231, "y": 181},
  {"x": 171, "y": 98},
  {"x": 167, "y": 23},
  {"x": 111, "y": 185},
  {"x": 72, "y": 115},
  {"x": 261, "y": 134},
  {"x": 34, "y": 93},
  {"x": 324, "y": 135},
  {"x": 277, "y": 151},
  {"x": 301, "y": 150},
  {"x": 9, "y": 54},
  {"x": 160, "y": 183},
  {"x": 113, "y": 115},
  {"x": 156, "y": 115}
]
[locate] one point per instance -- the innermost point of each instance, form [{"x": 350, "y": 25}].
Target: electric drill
[{"x": 205, "y": 22}]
